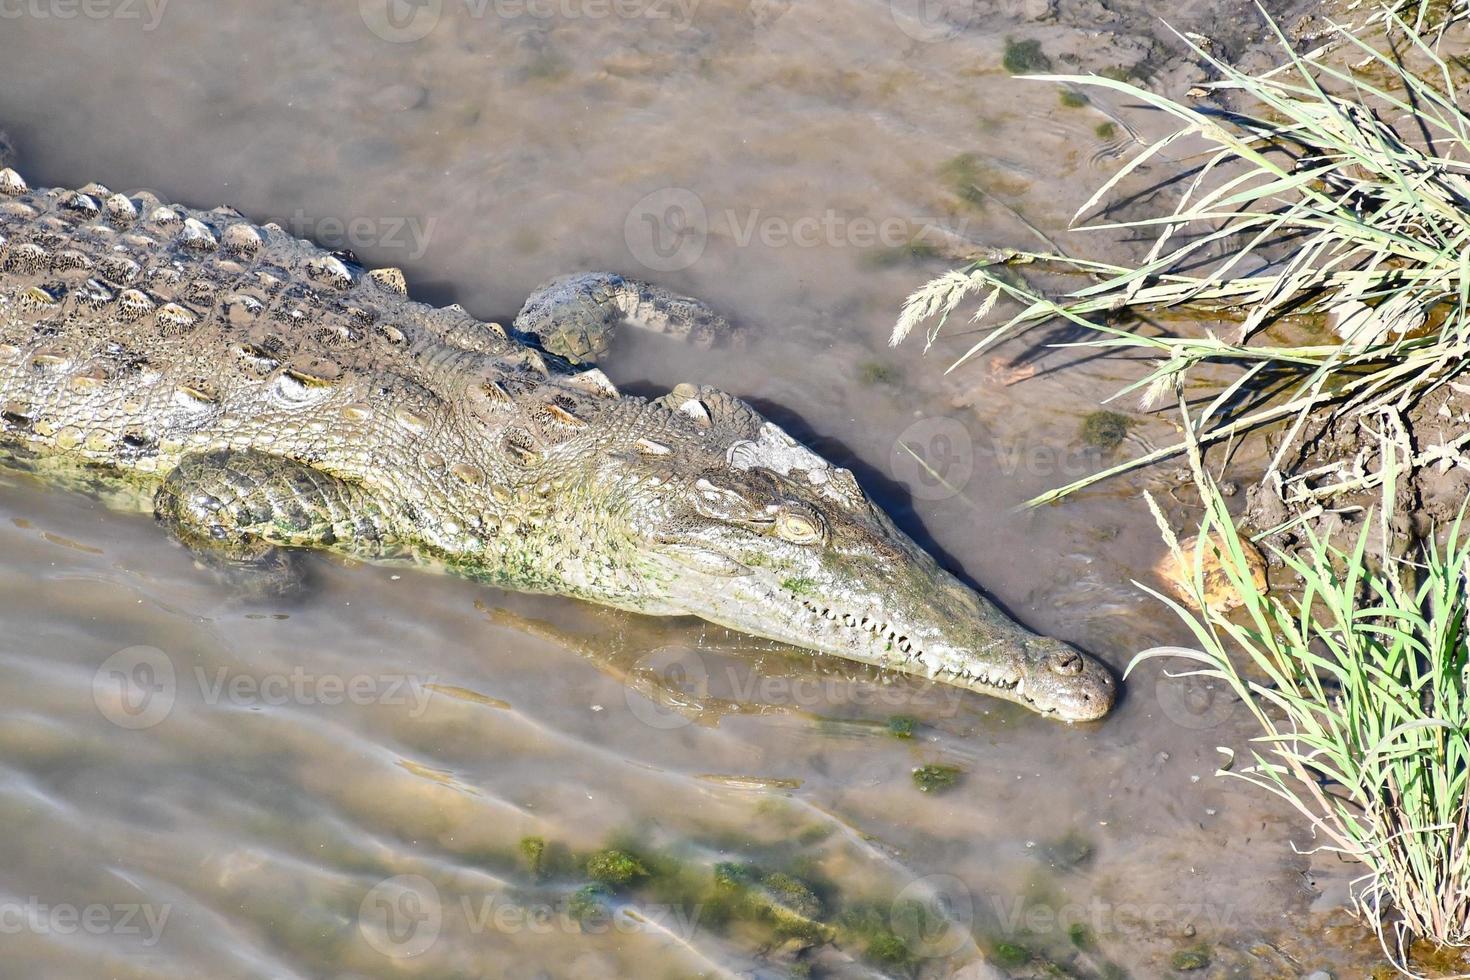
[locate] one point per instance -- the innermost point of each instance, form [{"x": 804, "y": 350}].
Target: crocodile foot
[
  {"x": 575, "y": 316},
  {"x": 240, "y": 512}
]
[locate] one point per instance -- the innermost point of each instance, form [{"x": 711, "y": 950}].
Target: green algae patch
[
  {"x": 797, "y": 585},
  {"x": 779, "y": 901},
  {"x": 910, "y": 252},
  {"x": 1193, "y": 958},
  {"x": 1104, "y": 430},
  {"x": 588, "y": 904},
  {"x": 890, "y": 951},
  {"x": 533, "y": 849},
  {"x": 1105, "y": 130},
  {"x": 615, "y": 868},
  {"x": 902, "y": 726},
  {"x": 872, "y": 373},
  {"x": 962, "y": 175},
  {"x": 1010, "y": 955},
  {"x": 1025, "y": 58},
  {"x": 936, "y": 779},
  {"x": 792, "y": 894},
  {"x": 1072, "y": 99}
]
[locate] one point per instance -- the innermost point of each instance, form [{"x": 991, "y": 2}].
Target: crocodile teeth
[{"x": 11, "y": 184}]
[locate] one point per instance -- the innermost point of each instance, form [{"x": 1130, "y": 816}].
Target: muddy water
[{"x": 343, "y": 786}]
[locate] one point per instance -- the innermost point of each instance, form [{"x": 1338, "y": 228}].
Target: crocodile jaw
[{"x": 926, "y": 623}]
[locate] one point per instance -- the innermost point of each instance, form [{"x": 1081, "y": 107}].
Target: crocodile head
[{"x": 734, "y": 521}]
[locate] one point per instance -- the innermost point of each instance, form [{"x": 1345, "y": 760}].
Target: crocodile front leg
[
  {"x": 575, "y": 316},
  {"x": 238, "y": 509}
]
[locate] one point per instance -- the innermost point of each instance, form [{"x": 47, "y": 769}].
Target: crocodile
[{"x": 261, "y": 395}]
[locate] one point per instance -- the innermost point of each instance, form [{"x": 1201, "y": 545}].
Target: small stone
[{"x": 1219, "y": 594}]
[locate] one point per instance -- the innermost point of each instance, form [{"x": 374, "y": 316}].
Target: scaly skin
[{"x": 261, "y": 392}]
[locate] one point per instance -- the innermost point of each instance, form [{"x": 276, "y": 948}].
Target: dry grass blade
[{"x": 1334, "y": 205}]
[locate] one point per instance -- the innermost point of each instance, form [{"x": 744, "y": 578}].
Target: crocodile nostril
[{"x": 1065, "y": 662}]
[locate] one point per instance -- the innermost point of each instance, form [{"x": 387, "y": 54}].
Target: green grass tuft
[{"x": 1025, "y": 58}]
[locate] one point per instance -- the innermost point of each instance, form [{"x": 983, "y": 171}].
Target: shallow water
[{"x": 196, "y": 787}]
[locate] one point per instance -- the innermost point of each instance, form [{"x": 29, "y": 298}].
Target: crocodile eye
[{"x": 798, "y": 529}]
